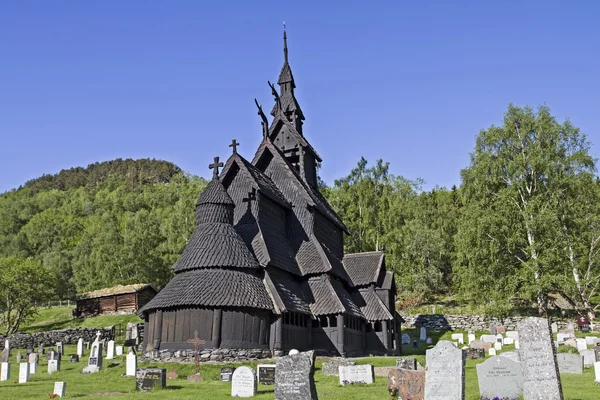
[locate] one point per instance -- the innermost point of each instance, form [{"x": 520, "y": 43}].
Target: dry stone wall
[
  {"x": 49, "y": 338},
  {"x": 465, "y": 322},
  {"x": 206, "y": 355}
]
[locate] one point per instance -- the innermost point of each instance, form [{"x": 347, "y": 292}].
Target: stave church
[{"x": 265, "y": 266}]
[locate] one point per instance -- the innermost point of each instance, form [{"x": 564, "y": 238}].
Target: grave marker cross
[
  {"x": 215, "y": 167},
  {"x": 196, "y": 342}
]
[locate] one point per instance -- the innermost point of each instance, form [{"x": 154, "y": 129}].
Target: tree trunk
[{"x": 580, "y": 290}]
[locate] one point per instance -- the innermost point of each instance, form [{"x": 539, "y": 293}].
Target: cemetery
[{"x": 266, "y": 283}]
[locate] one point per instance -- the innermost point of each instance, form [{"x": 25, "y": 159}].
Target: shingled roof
[
  {"x": 371, "y": 305},
  {"x": 288, "y": 294},
  {"x": 212, "y": 288},
  {"x": 330, "y": 297},
  {"x": 364, "y": 268}
]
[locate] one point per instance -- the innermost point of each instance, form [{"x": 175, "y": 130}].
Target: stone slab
[
  {"x": 23, "y": 372},
  {"x": 445, "y": 378},
  {"x": 570, "y": 363},
  {"x": 60, "y": 389},
  {"x": 226, "y": 374},
  {"x": 243, "y": 382},
  {"x": 406, "y": 384},
  {"x": 4, "y": 371},
  {"x": 294, "y": 377},
  {"x": 331, "y": 367},
  {"x": 147, "y": 379},
  {"x": 500, "y": 377},
  {"x": 350, "y": 374},
  {"x": 266, "y": 374}
]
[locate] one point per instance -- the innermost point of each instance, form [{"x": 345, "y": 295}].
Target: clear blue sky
[{"x": 411, "y": 82}]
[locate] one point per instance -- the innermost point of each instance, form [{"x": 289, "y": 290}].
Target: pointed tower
[{"x": 286, "y": 130}]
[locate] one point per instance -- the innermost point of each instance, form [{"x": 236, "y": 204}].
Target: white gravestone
[
  {"x": 243, "y": 382},
  {"x": 80, "y": 347},
  {"x": 471, "y": 337},
  {"x": 492, "y": 352},
  {"x": 110, "y": 350},
  {"x": 591, "y": 340},
  {"x": 95, "y": 360},
  {"x": 23, "y": 372},
  {"x": 517, "y": 344},
  {"x": 119, "y": 350},
  {"x": 561, "y": 336},
  {"x": 356, "y": 374},
  {"x": 60, "y": 388},
  {"x": 33, "y": 363},
  {"x": 488, "y": 338},
  {"x": 509, "y": 340},
  {"x": 597, "y": 371},
  {"x": 423, "y": 334},
  {"x": 428, "y": 341},
  {"x": 589, "y": 357},
  {"x": 53, "y": 366},
  {"x": 131, "y": 364},
  {"x": 5, "y": 371},
  {"x": 7, "y": 346},
  {"x": 500, "y": 338},
  {"x": 445, "y": 373},
  {"x": 581, "y": 344},
  {"x": 514, "y": 335},
  {"x": 498, "y": 346},
  {"x": 32, "y": 368},
  {"x": 554, "y": 327},
  {"x": 459, "y": 336}
]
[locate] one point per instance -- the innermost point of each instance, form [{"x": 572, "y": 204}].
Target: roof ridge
[{"x": 364, "y": 253}]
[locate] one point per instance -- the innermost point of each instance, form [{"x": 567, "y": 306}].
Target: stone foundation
[
  {"x": 49, "y": 338},
  {"x": 206, "y": 355}
]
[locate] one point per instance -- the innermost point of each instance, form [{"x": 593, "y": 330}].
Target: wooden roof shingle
[
  {"x": 371, "y": 305},
  {"x": 330, "y": 297},
  {"x": 364, "y": 268}
]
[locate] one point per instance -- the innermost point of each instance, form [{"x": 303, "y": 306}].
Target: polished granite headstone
[
  {"x": 406, "y": 384},
  {"x": 149, "y": 378}
]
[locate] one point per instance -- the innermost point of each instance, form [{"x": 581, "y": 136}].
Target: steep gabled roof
[
  {"x": 330, "y": 297},
  {"x": 212, "y": 288},
  {"x": 371, "y": 305},
  {"x": 312, "y": 196},
  {"x": 364, "y": 268},
  {"x": 388, "y": 281},
  {"x": 280, "y": 121},
  {"x": 288, "y": 294}
]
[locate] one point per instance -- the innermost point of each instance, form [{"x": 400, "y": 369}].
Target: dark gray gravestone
[
  {"x": 266, "y": 374},
  {"x": 331, "y": 368},
  {"x": 4, "y": 355},
  {"x": 407, "y": 363},
  {"x": 474, "y": 353},
  {"x": 226, "y": 374},
  {"x": 445, "y": 378},
  {"x": 294, "y": 377},
  {"x": 541, "y": 379},
  {"x": 500, "y": 377},
  {"x": 406, "y": 384},
  {"x": 570, "y": 363},
  {"x": 148, "y": 378}
]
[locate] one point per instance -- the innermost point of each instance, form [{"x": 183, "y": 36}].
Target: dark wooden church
[{"x": 265, "y": 266}]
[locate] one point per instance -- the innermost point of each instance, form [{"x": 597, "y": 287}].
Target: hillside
[{"x": 115, "y": 222}]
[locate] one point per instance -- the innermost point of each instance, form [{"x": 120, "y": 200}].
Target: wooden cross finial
[
  {"x": 251, "y": 196},
  {"x": 234, "y": 144},
  {"x": 215, "y": 167}
]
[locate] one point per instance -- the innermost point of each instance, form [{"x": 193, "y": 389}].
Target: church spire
[{"x": 285, "y": 50}]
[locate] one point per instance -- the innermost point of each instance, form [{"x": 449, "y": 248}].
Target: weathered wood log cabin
[
  {"x": 129, "y": 298},
  {"x": 265, "y": 265}
]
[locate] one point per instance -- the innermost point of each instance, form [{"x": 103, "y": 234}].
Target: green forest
[{"x": 524, "y": 222}]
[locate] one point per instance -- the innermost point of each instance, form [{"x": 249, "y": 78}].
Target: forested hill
[{"x": 115, "y": 222}]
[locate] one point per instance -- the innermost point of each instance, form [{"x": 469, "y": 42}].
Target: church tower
[{"x": 286, "y": 129}]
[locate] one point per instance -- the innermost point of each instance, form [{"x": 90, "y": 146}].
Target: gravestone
[
  {"x": 445, "y": 378},
  {"x": 80, "y": 347},
  {"x": 147, "y": 379},
  {"x": 407, "y": 363},
  {"x": 7, "y": 347},
  {"x": 95, "y": 360},
  {"x": 110, "y": 350},
  {"x": 581, "y": 344},
  {"x": 356, "y": 374},
  {"x": 131, "y": 363},
  {"x": 423, "y": 334},
  {"x": 172, "y": 374},
  {"x": 538, "y": 360},
  {"x": 19, "y": 357},
  {"x": 488, "y": 338},
  {"x": 4, "y": 371},
  {"x": 478, "y": 344},
  {"x": 40, "y": 349},
  {"x": 513, "y": 355},
  {"x": 33, "y": 362},
  {"x": 60, "y": 388},
  {"x": 266, "y": 374},
  {"x": 23, "y": 372},
  {"x": 554, "y": 327},
  {"x": 589, "y": 357},
  {"x": 570, "y": 363},
  {"x": 428, "y": 341},
  {"x": 415, "y": 344},
  {"x": 471, "y": 338},
  {"x": 331, "y": 368},
  {"x": 226, "y": 374},
  {"x": 597, "y": 372},
  {"x": 596, "y": 349},
  {"x": 500, "y": 329},
  {"x": 561, "y": 336},
  {"x": 500, "y": 377},
  {"x": 499, "y": 338},
  {"x": 492, "y": 352},
  {"x": 459, "y": 336},
  {"x": 243, "y": 382},
  {"x": 293, "y": 351},
  {"x": 498, "y": 346},
  {"x": 493, "y": 331},
  {"x": 514, "y": 335},
  {"x": 508, "y": 341},
  {"x": 59, "y": 348},
  {"x": 119, "y": 350},
  {"x": 517, "y": 344},
  {"x": 131, "y": 335},
  {"x": 74, "y": 358},
  {"x": 474, "y": 353},
  {"x": 591, "y": 340},
  {"x": 405, "y": 338},
  {"x": 294, "y": 377},
  {"x": 4, "y": 355},
  {"x": 53, "y": 366},
  {"x": 406, "y": 384}
]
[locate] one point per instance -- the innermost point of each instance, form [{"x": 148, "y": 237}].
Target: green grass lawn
[
  {"x": 111, "y": 380},
  {"x": 53, "y": 318}
]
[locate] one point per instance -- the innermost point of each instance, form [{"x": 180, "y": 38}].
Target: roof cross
[
  {"x": 196, "y": 341},
  {"x": 234, "y": 144},
  {"x": 215, "y": 167}
]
